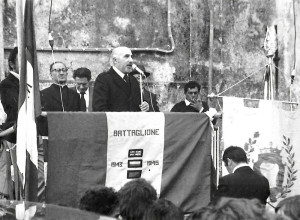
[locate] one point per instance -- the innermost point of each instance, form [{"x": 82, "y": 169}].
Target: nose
[{"x": 130, "y": 59}]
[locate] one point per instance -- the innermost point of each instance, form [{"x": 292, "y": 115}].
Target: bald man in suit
[{"x": 116, "y": 90}]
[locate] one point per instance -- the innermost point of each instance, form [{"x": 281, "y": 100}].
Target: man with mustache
[{"x": 116, "y": 90}]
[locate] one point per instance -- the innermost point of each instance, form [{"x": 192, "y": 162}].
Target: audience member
[
  {"x": 116, "y": 90},
  {"x": 234, "y": 209},
  {"x": 134, "y": 198},
  {"x": 102, "y": 200},
  {"x": 148, "y": 96},
  {"x": 202, "y": 213},
  {"x": 289, "y": 207},
  {"x": 242, "y": 182},
  {"x": 84, "y": 88},
  {"x": 163, "y": 209}
]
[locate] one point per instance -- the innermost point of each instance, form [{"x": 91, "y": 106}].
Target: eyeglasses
[{"x": 60, "y": 70}]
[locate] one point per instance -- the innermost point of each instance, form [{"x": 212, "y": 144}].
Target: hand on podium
[{"x": 144, "y": 106}]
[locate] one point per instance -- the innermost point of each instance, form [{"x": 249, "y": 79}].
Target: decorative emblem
[{"x": 275, "y": 163}]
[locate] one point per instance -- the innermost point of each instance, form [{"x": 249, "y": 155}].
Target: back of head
[
  {"x": 13, "y": 56},
  {"x": 135, "y": 197},
  {"x": 102, "y": 200},
  {"x": 163, "y": 209},
  {"x": 191, "y": 85},
  {"x": 290, "y": 207},
  {"x": 237, "y": 154},
  {"x": 202, "y": 213},
  {"x": 236, "y": 209},
  {"x": 82, "y": 73}
]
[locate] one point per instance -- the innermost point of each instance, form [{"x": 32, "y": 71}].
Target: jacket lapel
[
  {"x": 91, "y": 90},
  {"x": 120, "y": 82}
]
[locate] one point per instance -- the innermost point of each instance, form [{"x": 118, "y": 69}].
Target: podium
[{"x": 170, "y": 150}]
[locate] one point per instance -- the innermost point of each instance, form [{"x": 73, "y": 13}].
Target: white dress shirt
[{"x": 239, "y": 166}]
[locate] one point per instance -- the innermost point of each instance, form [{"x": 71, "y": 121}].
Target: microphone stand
[{"x": 141, "y": 87}]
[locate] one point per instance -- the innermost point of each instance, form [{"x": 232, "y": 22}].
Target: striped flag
[
  {"x": 170, "y": 150},
  {"x": 29, "y": 106}
]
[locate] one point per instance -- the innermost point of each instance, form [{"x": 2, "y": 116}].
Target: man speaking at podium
[{"x": 116, "y": 90}]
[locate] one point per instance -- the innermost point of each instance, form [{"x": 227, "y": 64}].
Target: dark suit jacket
[
  {"x": 91, "y": 90},
  {"x": 153, "y": 107},
  {"x": 9, "y": 90},
  {"x": 51, "y": 102},
  {"x": 111, "y": 93},
  {"x": 244, "y": 183},
  {"x": 181, "y": 107}
]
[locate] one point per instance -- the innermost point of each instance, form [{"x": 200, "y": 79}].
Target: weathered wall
[{"x": 239, "y": 32}]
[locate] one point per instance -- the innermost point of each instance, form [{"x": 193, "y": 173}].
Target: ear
[
  {"x": 11, "y": 65},
  {"x": 229, "y": 162}
]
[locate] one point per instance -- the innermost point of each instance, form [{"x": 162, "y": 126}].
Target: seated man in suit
[
  {"x": 148, "y": 96},
  {"x": 115, "y": 90},
  {"x": 58, "y": 97},
  {"x": 82, "y": 77},
  {"x": 242, "y": 182},
  {"x": 192, "y": 102}
]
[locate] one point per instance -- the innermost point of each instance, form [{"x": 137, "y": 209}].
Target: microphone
[
  {"x": 293, "y": 76},
  {"x": 134, "y": 67}
]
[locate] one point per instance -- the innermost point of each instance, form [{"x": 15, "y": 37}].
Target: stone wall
[{"x": 81, "y": 26}]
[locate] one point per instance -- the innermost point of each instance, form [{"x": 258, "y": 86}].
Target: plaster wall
[{"x": 239, "y": 32}]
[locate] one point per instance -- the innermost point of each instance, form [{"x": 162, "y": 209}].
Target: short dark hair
[
  {"x": 102, "y": 200},
  {"x": 290, "y": 207},
  {"x": 191, "y": 85},
  {"x": 135, "y": 197},
  {"x": 163, "y": 209},
  {"x": 51, "y": 65},
  {"x": 202, "y": 213},
  {"x": 12, "y": 57},
  {"x": 237, "y": 154},
  {"x": 236, "y": 208},
  {"x": 82, "y": 73}
]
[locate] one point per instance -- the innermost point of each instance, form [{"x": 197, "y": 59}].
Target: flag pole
[{"x": 19, "y": 20}]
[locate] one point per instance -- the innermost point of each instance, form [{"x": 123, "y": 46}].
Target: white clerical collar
[
  {"x": 239, "y": 166},
  {"x": 15, "y": 74},
  {"x": 118, "y": 72},
  {"x": 187, "y": 102},
  {"x": 61, "y": 85}
]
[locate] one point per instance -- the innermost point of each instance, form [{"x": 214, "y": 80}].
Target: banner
[
  {"x": 170, "y": 150},
  {"x": 270, "y": 136},
  {"x": 135, "y": 151}
]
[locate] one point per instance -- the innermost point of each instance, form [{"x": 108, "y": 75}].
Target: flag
[
  {"x": 170, "y": 150},
  {"x": 29, "y": 107},
  {"x": 269, "y": 133}
]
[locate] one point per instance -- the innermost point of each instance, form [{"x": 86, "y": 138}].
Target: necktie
[
  {"x": 82, "y": 102},
  {"x": 126, "y": 78}
]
